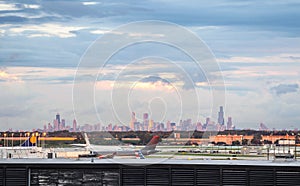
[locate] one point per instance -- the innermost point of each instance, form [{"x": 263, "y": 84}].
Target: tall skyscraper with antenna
[{"x": 221, "y": 116}]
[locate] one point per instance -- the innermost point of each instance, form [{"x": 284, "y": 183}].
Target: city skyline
[
  {"x": 255, "y": 44},
  {"x": 146, "y": 123}
]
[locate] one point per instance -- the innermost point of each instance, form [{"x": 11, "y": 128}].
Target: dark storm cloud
[
  {"x": 154, "y": 79},
  {"x": 285, "y": 88}
]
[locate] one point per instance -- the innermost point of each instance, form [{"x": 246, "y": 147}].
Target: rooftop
[{"x": 290, "y": 163}]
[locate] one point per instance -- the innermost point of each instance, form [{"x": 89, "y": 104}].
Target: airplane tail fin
[
  {"x": 32, "y": 141},
  {"x": 87, "y": 141},
  {"x": 152, "y": 144}
]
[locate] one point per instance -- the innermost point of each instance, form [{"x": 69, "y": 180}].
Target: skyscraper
[
  {"x": 150, "y": 126},
  {"x": 207, "y": 121},
  {"x": 263, "y": 127},
  {"x": 145, "y": 121},
  {"x": 169, "y": 128},
  {"x": 145, "y": 116},
  {"x": 132, "y": 121},
  {"x": 74, "y": 125},
  {"x": 199, "y": 126},
  {"x": 55, "y": 124},
  {"x": 173, "y": 126},
  {"x": 50, "y": 128},
  {"x": 229, "y": 123},
  {"x": 45, "y": 128},
  {"x": 63, "y": 124},
  {"x": 221, "y": 116},
  {"x": 58, "y": 118}
]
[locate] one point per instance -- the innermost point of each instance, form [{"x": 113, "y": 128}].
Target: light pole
[
  {"x": 12, "y": 139},
  {"x": 44, "y": 136},
  {"x": 4, "y": 138},
  {"x": 28, "y": 134},
  {"x": 295, "y": 150},
  {"x": 20, "y": 135},
  {"x": 25, "y": 135},
  {"x": 36, "y": 138}
]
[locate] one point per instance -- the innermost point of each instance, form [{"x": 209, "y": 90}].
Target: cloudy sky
[{"x": 44, "y": 46}]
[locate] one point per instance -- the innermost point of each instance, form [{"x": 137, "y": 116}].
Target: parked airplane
[{"x": 102, "y": 151}]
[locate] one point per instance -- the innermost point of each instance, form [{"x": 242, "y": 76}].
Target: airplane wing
[
  {"x": 79, "y": 145},
  {"x": 107, "y": 156}
]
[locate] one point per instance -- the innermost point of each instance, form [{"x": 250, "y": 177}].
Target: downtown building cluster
[
  {"x": 145, "y": 124},
  {"x": 59, "y": 124},
  {"x": 148, "y": 124}
]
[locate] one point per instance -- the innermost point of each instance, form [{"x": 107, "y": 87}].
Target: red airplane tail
[{"x": 152, "y": 144}]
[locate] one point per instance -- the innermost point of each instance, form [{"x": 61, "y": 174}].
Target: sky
[{"x": 45, "y": 48}]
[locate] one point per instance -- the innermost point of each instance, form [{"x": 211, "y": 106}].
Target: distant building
[
  {"x": 145, "y": 116},
  {"x": 220, "y": 127},
  {"x": 45, "y": 128},
  {"x": 63, "y": 124},
  {"x": 274, "y": 138},
  {"x": 137, "y": 126},
  {"x": 97, "y": 127},
  {"x": 229, "y": 124},
  {"x": 221, "y": 116},
  {"x": 199, "y": 126},
  {"x": 186, "y": 125},
  {"x": 50, "y": 128},
  {"x": 109, "y": 127},
  {"x": 159, "y": 127},
  {"x": 173, "y": 126},
  {"x": 207, "y": 122},
  {"x": 74, "y": 125},
  {"x": 150, "y": 126},
  {"x": 263, "y": 127},
  {"x": 228, "y": 139},
  {"x": 145, "y": 121},
  {"x": 169, "y": 127},
  {"x": 56, "y": 125},
  {"x": 58, "y": 118},
  {"x": 132, "y": 121}
]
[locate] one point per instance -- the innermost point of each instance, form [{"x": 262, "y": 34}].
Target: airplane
[{"x": 104, "y": 152}]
